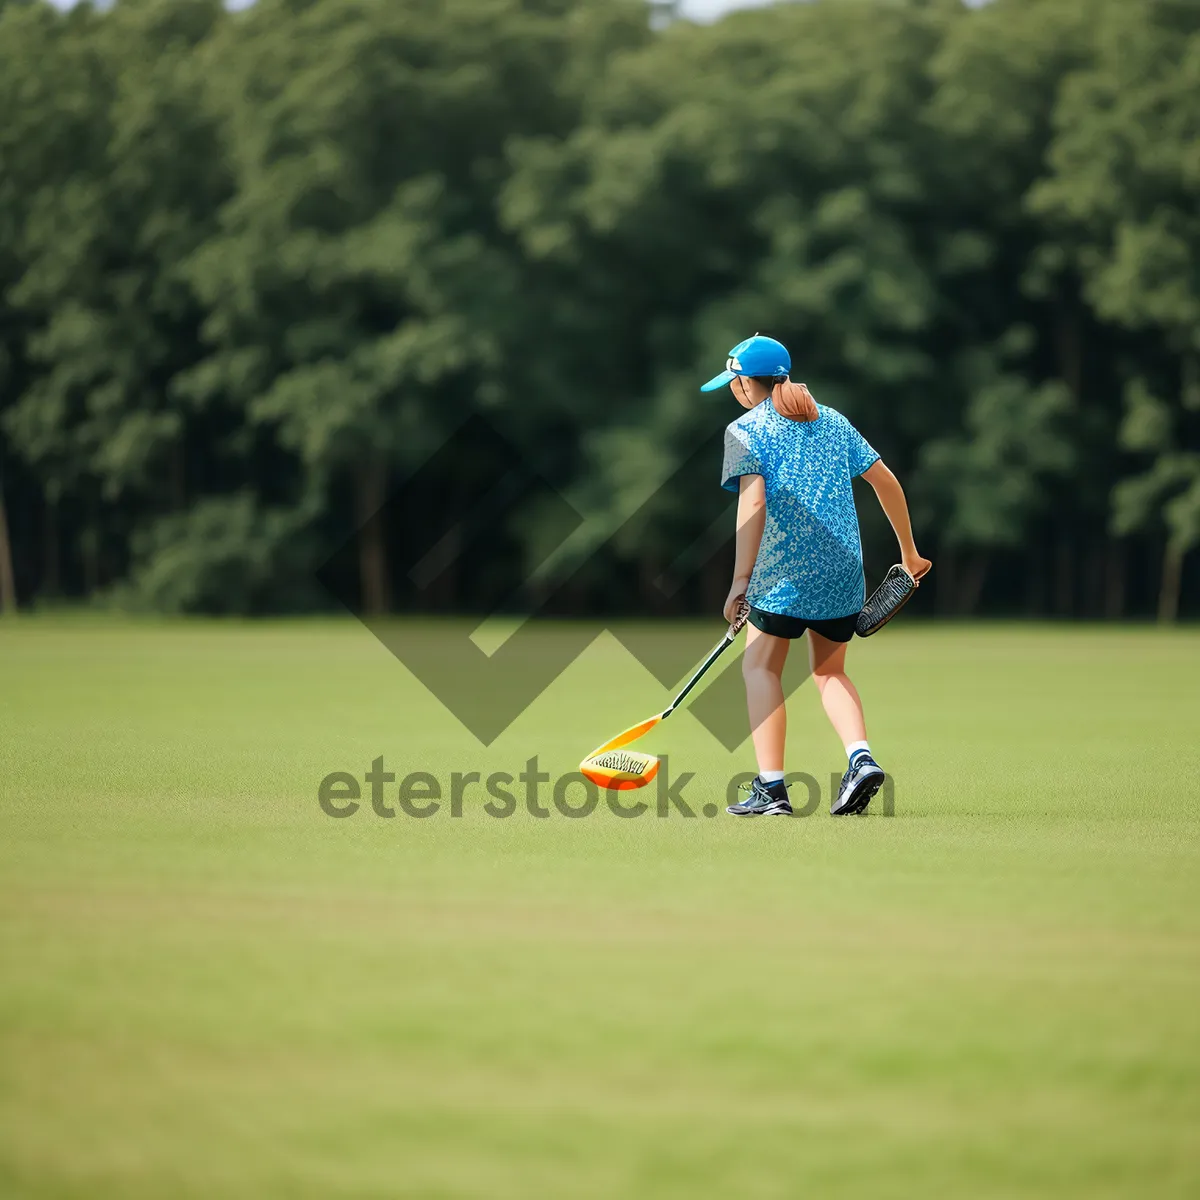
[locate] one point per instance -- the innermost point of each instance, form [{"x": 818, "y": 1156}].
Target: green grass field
[{"x": 209, "y": 988}]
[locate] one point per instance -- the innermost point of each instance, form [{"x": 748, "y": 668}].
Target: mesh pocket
[{"x": 885, "y": 601}]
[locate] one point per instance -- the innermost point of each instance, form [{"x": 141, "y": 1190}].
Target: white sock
[
  {"x": 854, "y": 747},
  {"x": 770, "y": 776}
]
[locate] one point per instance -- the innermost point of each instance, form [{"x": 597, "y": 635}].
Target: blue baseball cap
[{"x": 755, "y": 356}]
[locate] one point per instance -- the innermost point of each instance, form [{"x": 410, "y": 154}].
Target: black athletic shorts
[{"x": 836, "y": 629}]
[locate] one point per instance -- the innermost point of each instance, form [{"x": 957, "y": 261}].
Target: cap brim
[{"x": 719, "y": 381}]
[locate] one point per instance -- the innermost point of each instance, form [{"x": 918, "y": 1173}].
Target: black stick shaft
[{"x": 717, "y": 651}]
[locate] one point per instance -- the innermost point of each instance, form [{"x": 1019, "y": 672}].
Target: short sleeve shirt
[{"x": 810, "y": 560}]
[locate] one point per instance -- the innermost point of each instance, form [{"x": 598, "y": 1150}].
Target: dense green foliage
[{"x": 255, "y": 267}]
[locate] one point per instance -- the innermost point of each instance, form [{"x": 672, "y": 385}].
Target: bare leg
[
  {"x": 762, "y": 669},
  {"x": 839, "y": 696}
]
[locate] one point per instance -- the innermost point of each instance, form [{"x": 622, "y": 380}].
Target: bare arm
[
  {"x": 751, "y": 519},
  {"x": 891, "y": 499}
]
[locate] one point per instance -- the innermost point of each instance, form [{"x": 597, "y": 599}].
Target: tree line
[{"x": 256, "y": 268}]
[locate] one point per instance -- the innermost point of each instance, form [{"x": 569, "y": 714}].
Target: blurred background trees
[{"x": 255, "y": 267}]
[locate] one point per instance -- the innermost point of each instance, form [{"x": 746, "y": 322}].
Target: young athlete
[{"x": 799, "y": 561}]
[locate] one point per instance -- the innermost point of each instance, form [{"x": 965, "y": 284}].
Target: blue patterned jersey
[{"x": 810, "y": 561}]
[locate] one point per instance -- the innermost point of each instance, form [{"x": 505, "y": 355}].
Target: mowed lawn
[{"x": 209, "y": 988}]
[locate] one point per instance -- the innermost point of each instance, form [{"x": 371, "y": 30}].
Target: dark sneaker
[
  {"x": 859, "y": 784},
  {"x": 763, "y": 801}
]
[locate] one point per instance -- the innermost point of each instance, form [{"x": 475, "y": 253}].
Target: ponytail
[{"x": 791, "y": 400}]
